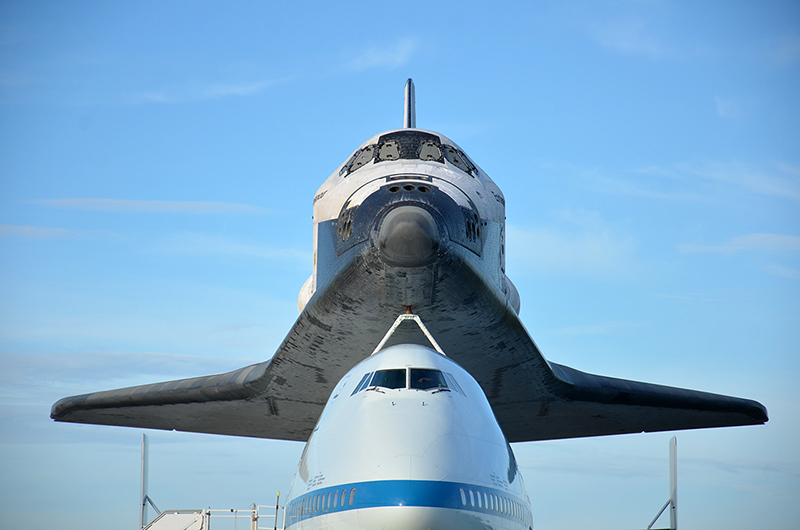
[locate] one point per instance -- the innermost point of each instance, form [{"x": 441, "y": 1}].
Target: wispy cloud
[
  {"x": 650, "y": 182},
  {"x": 689, "y": 297},
  {"x": 782, "y": 271},
  {"x": 193, "y": 92},
  {"x": 38, "y": 232},
  {"x": 392, "y": 56},
  {"x": 784, "y": 50},
  {"x": 134, "y": 206},
  {"x": 749, "y": 243},
  {"x": 596, "y": 329},
  {"x": 80, "y": 368},
  {"x": 627, "y": 35},
  {"x": 782, "y": 181},
  {"x": 580, "y": 244},
  {"x": 689, "y": 181},
  {"x": 732, "y": 108},
  {"x": 14, "y": 79},
  {"x": 206, "y": 245}
]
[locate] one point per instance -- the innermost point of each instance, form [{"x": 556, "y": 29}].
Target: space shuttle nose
[{"x": 408, "y": 237}]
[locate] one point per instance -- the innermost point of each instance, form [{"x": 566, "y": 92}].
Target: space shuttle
[{"x": 408, "y": 372}]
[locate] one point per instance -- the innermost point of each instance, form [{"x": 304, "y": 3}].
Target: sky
[{"x": 158, "y": 162}]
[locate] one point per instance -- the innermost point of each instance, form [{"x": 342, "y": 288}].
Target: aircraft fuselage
[{"x": 406, "y": 441}]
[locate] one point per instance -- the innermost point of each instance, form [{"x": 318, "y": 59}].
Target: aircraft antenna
[{"x": 410, "y": 107}]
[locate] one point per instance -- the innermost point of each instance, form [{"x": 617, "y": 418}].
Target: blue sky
[{"x": 157, "y": 166}]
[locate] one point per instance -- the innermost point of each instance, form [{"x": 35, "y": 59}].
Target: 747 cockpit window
[
  {"x": 420, "y": 379},
  {"x": 426, "y": 379},
  {"x": 390, "y": 378},
  {"x": 362, "y": 384}
]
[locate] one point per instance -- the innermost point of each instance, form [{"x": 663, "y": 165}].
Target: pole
[
  {"x": 277, "y": 507},
  {"x": 673, "y": 483},
  {"x": 144, "y": 479}
]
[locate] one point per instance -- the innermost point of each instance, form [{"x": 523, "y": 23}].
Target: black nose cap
[{"x": 408, "y": 237}]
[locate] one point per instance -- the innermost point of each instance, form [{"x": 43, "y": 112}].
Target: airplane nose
[{"x": 408, "y": 237}]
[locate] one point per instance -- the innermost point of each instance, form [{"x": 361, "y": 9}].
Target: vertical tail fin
[{"x": 410, "y": 107}]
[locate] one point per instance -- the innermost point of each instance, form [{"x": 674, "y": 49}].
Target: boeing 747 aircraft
[{"x": 409, "y": 429}]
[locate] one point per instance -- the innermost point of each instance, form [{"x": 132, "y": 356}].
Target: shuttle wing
[{"x": 532, "y": 398}]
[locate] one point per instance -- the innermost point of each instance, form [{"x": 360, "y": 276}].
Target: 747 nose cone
[{"x": 408, "y": 237}]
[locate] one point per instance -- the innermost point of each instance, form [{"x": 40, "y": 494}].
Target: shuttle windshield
[{"x": 406, "y": 144}]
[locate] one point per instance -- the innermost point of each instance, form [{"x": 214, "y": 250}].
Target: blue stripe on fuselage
[{"x": 419, "y": 493}]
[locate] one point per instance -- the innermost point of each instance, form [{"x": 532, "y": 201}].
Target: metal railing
[{"x": 257, "y": 517}]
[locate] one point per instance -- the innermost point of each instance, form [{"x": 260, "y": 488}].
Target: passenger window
[
  {"x": 344, "y": 493},
  {"x": 480, "y": 504},
  {"x": 390, "y": 378},
  {"x": 463, "y": 497},
  {"x": 486, "y": 500},
  {"x": 352, "y": 496},
  {"x": 471, "y": 498},
  {"x": 328, "y": 503},
  {"x": 335, "y": 499},
  {"x": 425, "y": 379},
  {"x": 362, "y": 384}
]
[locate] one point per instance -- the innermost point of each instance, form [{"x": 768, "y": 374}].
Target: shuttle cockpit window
[
  {"x": 389, "y": 378},
  {"x": 427, "y": 379},
  {"x": 459, "y": 159},
  {"x": 429, "y": 150},
  {"x": 359, "y": 159},
  {"x": 409, "y": 144}
]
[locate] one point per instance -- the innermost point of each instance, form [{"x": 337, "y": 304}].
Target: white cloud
[
  {"x": 596, "y": 329},
  {"x": 580, "y": 245},
  {"x": 89, "y": 366},
  {"x": 785, "y": 50},
  {"x": 783, "y": 183},
  {"x": 246, "y": 89},
  {"x": 14, "y": 79},
  {"x": 781, "y": 271},
  {"x": 628, "y": 35},
  {"x": 134, "y": 206},
  {"x": 692, "y": 182},
  {"x": 37, "y": 232},
  {"x": 749, "y": 243},
  {"x": 205, "y": 245},
  {"x": 689, "y": 297},
  {"x": 392, "y": 56},
  {"x": 651, "y": 182},
  {"x": 732, "y": 108},
  {"x": 184, "y": 93}
]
